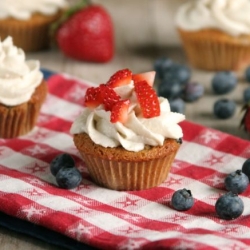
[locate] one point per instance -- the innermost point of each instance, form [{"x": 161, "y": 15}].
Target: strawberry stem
[{"x": 82, "y": 4}]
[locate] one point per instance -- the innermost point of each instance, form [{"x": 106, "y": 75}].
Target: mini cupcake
[
  {"x": 28, "y": 22},
  {"x": 22, "y": 91},
  {"x": 215, "y": 34},
  {"x": 127, "y": 136}
]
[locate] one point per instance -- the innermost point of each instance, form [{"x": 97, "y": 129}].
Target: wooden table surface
[{"x": 138, "y": 60}]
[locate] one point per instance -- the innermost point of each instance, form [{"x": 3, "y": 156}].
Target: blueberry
[
  {"x": 229, "y": 206},
  {"x": 68, "y": 177},
  {"x": 224, "y": 108},
  {"x": 59, "y": 161},
  {"x": 246, "y": 168},
  {"x": 224, "y": 82},
  {"x": 246, "y": 95},
  {"x": 193, "y": 91},
  {"x": 177, "y": 105},
  {"x": 170, "y": 90},
  {"x": 179, "y": 140},
  {"x": 247, "y": 74},
  {"x": 161, "y": 65},
  {"x": 177, "y": 73},
  {"x": 236, "y": 182},
  {"x": 182, "y": 200}
]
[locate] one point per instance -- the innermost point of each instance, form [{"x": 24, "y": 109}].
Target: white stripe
[
  {"x": 8, "y": 187},
  {"x": 106, "y": 221},
  {"x": 60, "y": 141},
  {"x": 17, "y": 161},
  {"x": 63, "y": 109},
  {"x": 106, "y": 196},
  {"x": 58, "y": 203},
  {"x": 200, "y": 155},
  {"x": 204, "y": 223},
  {"x": 213, "y": 240}
]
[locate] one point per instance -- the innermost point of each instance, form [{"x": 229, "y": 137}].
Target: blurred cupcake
[
  {"x": 22, "y": 91},
  {"x": 130, "y": 139},
  {"x": 28, "y": 21},
  {"x": 215, "y": 33}
]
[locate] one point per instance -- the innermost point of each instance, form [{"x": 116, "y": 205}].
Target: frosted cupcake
[
  {"x": 22, "y": 91},
  {"x": 28, "y": 21},
  {"x": 127, "y": 136},
  {"x": 215, "y": 33}
]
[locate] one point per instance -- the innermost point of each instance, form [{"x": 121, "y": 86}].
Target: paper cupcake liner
[
  {"x": 118, "y": 175},
  {"x": 214, "y": 50},
  {"x": 19, "y": 120},
  {"x": 30, "y": 35}
]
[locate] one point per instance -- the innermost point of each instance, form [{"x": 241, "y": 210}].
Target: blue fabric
[
  {"x": 42, "y": 233},
  {"x": 47, "y": 73}
]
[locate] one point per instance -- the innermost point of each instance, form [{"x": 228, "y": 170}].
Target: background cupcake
[
  {"x": 28, "y": 21},
  {"x": 215, "y": 34},
  {"x": 22, "y": 91}
]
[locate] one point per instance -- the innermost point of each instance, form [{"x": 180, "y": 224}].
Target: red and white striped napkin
[{"x": 109, "y": 219}]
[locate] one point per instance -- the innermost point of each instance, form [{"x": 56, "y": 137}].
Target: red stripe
[
  {"x": 52, "y": 123},
  {"x": 67, "y": 88},
  {"x": 174, "y": 243},
  {"x": 226, "y": 143}
]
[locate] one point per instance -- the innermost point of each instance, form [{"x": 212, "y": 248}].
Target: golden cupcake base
[
  {"x": 119, "y": 169},
  {"x": 215, "y": 50},
  {"x": 19, "y": 120},
  {"x": 30, "y": 35}
]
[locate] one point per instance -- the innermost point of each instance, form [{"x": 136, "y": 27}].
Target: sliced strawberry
[
  {"x": 119, "y": 112},
  {"x": 120, "y": 78},
  {"x": 92, "y": 97},
  {"x": 147, "y": 99},
  {"x": 108, "y": 96},
  {"x": 102, "y": 94},
  {"x": 149, "y": 77}
]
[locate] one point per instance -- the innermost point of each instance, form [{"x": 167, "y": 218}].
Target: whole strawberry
[
  {"x": 245, "y": 121},
  {"x": 87, "y": 34}
]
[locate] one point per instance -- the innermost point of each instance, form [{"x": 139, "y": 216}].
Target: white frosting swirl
[
  {"x": 23, "y": 9},
  {"x": 18, "y": 78},
  {"x": 230, "y": 16},
  {"x": 136, "y": 132}
]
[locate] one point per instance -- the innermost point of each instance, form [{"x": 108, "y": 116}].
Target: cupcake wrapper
[
  {"x": 19, "y": 120},
  {"x": 16, "y": 122},
  {"x": 213, "y": 50},
  {"x": 118, "y": 175}
]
